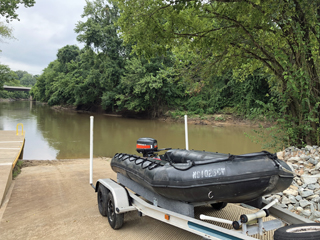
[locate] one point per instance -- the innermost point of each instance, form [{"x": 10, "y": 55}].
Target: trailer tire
[
  {"x": 102, "y": 200},
  {"x": 115, "y": 220},
  {"x": 219, "y": 205},
  {"x": 305, "y": 231}
]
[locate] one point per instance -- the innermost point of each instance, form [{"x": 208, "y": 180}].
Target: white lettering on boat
[{"x": 208, "y": 173}]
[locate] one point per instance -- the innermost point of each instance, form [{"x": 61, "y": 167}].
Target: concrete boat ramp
[
  {"x": 53, "y": 200},
  {"x": 11, "y": 149}
]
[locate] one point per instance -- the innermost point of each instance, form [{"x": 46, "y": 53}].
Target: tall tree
[
  {"x": 28, "y": 80},
  {"x": 67, "y": 54},
  {"x": 282, "y": 36},
  {"x": 20, "y": 74},
  {"x": 4, "y": 72},
  {"x": 99, "y": 33}
]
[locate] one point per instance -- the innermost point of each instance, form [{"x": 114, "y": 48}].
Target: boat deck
[{"x": 11, "y": 149}]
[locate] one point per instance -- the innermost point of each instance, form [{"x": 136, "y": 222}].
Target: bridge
[{"x": 14, "y": 88}]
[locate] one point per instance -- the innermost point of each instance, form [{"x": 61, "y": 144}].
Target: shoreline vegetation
[
  {"x": 218, "y": 119},
  {"x": 223, "y": 76},
  {"x": 202, "y": 77}
]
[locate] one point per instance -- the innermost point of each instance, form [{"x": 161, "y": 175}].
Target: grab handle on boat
[{"x": 187, "y": 165}]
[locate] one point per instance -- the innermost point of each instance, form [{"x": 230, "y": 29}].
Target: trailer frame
[{"x": 130, "y": 196}]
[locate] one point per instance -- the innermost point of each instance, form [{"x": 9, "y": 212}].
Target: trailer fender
[{"x": 120, "y": 195}]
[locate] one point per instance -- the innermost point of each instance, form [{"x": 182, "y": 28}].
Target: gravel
[{"x": 303, "y": 196}]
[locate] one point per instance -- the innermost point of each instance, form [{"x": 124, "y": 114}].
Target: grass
[{"x": 17, "y": 169}]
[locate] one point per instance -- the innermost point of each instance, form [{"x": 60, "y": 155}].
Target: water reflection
[{"x": 54, "y": 134}]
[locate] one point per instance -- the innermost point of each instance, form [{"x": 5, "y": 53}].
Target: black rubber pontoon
[{"x": 198, "y": 176}]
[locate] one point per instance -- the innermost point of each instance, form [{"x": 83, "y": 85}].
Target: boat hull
[{"x": 206, "y": 177}]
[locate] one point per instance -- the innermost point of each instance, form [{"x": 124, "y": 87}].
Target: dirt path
[{"x": 53, "y": 200}]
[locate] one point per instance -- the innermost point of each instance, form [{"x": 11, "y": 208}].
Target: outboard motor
[{"x": 148, "y": 147}]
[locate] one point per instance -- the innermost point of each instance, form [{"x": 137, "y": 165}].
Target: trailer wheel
[
  {"x": 115, "y": 220},
  {"x": 102, "y": 200},
  {"x": 305, "y": 231},
  {"x": 218, "y": 206}
]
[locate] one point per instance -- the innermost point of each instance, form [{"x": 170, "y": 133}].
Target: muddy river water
[{"x": 52, "y": 134}]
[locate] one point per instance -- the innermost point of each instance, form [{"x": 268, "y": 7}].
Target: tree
[
  {"x": 8, "y": 8},
  {"x": 281, "y": 36},
  {"x": 6, "y": 75},
  {"x": 28, "y": 80},
  {"x": 148, "y": 86},
  {"x": 20, "y": 74},
  {"x": 99, "y": 33},
  {"x": 67, "y": 54},
  {"x": 5, "y": 31}
]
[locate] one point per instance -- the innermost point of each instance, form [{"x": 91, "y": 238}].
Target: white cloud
[{"x": 41, "y": 31}]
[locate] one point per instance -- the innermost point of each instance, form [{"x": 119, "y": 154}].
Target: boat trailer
[{"x": 124, "y": 195}]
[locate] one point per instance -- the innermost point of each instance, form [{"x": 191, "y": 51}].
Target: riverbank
[
  {"x": 7, "y": 100},
  {"x": 218, "y": 120},
  {"x": 13, "y": 99}
]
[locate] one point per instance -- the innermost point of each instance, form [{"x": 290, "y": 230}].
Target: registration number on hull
[{"x": 208, "y": 173}]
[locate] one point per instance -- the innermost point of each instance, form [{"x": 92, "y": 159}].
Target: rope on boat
[
  {"x": 135, "y": 159},
  {"x": 150, "y": 164}
]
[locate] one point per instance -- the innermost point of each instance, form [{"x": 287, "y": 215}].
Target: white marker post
[
  {"x": 186, "y": 131},
  {"x": 91, "y": 149}
]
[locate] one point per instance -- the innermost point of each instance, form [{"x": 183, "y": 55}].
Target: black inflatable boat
[{"x": 199, "y": 176}]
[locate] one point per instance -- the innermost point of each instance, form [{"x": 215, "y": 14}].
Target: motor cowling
[{"x": 147, "y": 146}]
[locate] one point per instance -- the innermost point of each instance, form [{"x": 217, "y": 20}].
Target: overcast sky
[{"x": 41, "y": 31}]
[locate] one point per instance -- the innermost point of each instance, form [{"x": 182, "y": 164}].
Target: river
[{"x": 52, "y": 134}]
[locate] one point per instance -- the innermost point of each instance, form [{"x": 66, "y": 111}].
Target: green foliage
[
  {"x": 220, "y": 92},
  {"x": 220, "y": 118},
  {"x": 28, "y": 80},
  {"x": 148, "y": 86},
  {"x": 11, "y": 78},
  {"x": 67, "y": 54},
  {"x": 20, "y": 73},
  {"x": 282, "y": 37},
  {"x": 5, "y": 31},
  {"x": 5, "y": 75},
  {"x": 8, "y": 8},
  {"x": 104, "y": 74},
  {"x": 17, "y": 169},
  {"x": 13, "y": 94}
]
